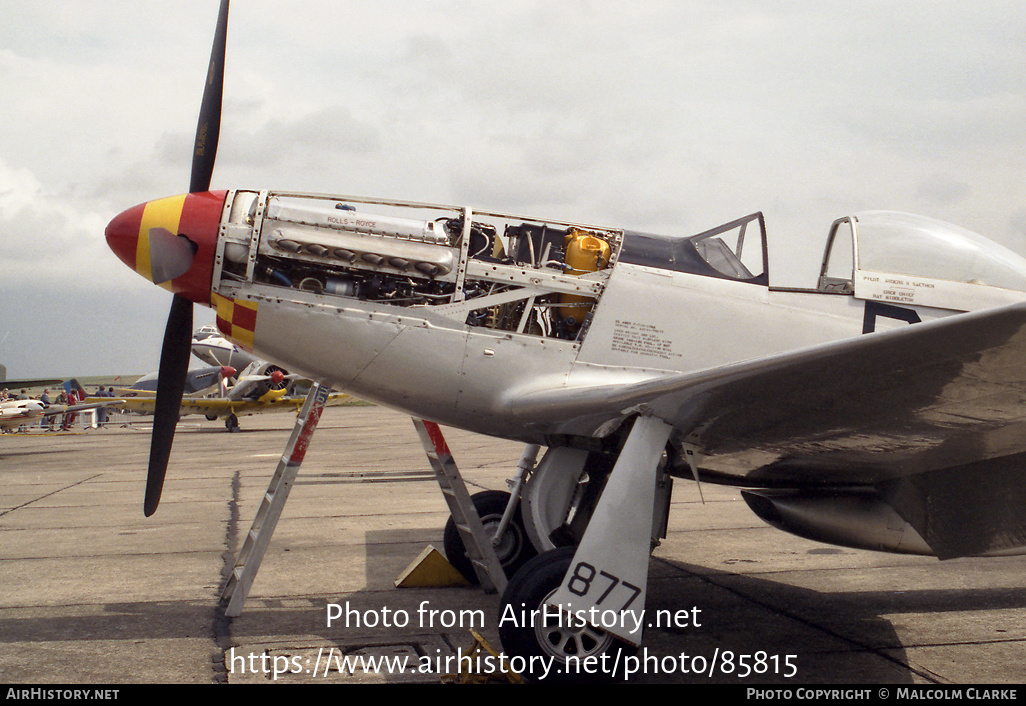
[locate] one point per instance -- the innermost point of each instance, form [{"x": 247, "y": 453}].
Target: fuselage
[
  {"x": 14, "y": 413},
  {"x": 448, "y": 314}
]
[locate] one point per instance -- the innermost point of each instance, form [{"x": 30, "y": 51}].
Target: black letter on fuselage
[{"x": 888, "y": 311}]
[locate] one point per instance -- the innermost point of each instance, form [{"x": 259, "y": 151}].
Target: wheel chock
[{"x": 430, "y": 570}]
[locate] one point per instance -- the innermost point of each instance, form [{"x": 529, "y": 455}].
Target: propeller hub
[{"x": 171, "y": 241}]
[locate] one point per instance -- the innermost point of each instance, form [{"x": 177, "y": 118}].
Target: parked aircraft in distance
[
  {"x": 210, "y": 346},
  {"x": 219, "y": 392},
  {"x": 18, "y": 383},
  {"x": 18, "y": 413}
]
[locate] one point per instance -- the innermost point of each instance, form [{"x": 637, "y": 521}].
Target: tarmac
[{"x": 93, "y": 592}]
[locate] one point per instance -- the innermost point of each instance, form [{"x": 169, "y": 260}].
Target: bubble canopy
[
  {"x": 902, "y": 258},
  {"x": 906, "y": 244}
]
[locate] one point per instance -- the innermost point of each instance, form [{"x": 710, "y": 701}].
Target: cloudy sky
[{"x": 660, "y": 116}]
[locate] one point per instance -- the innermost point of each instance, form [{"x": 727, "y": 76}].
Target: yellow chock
[
  {"x": 430, "y": 570},
  {"x": 482, "y": 665}
]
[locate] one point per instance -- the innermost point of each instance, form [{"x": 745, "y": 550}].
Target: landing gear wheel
[
  {"x": 514, "y": 549},
  {"x": 545, "y": 638},
  {"x": 231, "y": 422}
]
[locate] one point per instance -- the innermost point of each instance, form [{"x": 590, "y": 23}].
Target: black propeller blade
[
  {"x": 208, "y": 129},
  {"x": 174, "y": 365},
  {"x": 174, "y": 356}
]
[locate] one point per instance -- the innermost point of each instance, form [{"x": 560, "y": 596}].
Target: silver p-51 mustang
[{"x": 882, "y": 407}]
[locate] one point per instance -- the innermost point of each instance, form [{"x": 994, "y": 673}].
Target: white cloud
[{"x": 50, "y": 238}]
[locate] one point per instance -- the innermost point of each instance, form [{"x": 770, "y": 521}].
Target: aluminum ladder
[
  {"x": 476, "y": 540},
  {"x": 252, "y": 553}
]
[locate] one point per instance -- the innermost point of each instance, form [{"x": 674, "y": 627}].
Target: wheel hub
[
  {"x": 565, "y": 636},
  {"x": 509, "y": 542}
]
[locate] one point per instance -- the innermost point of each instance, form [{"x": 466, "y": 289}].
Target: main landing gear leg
[{"x": 605, "y": 577}]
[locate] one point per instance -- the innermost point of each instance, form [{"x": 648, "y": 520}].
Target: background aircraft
[
  {"x": 880, "y": 407},
  {"x": 218, "y": 391},
  {"x": 26, "y": 382},
  {"x": 221, "y": 393},
  {"x": 198, "y": 380},
  {"x": 18, "y": 413},
  {"x": 210, "y": 346}
]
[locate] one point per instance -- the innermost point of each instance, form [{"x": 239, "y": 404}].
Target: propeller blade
[
  {"x": 174, "y": 356},
  {"x": 209, "y": 126},
  {"x": 174, "y": 364}
]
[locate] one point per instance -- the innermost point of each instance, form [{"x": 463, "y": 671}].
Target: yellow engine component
[{"x": 584, "y": 253}]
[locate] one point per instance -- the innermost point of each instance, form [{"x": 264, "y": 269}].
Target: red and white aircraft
[
  {"x": 882, "y": 407},
  {"x": 20, "y": 413}
]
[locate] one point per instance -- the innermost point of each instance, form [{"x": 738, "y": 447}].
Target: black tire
[
  {"x": 514, "y": 550},
  {"x": 526, "y": 633}
]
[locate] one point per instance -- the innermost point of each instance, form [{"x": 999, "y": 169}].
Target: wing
[
  {"x": 930, "y": 417},
  {"x": 276, "y": 401},
  {"x": 208, "y": 406},
  {"x": 85, "y": 406},
  {"x": 30, "y": 382},
  {"x": 139, "y": 405},
  {"x": 220, "y": 406}
]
